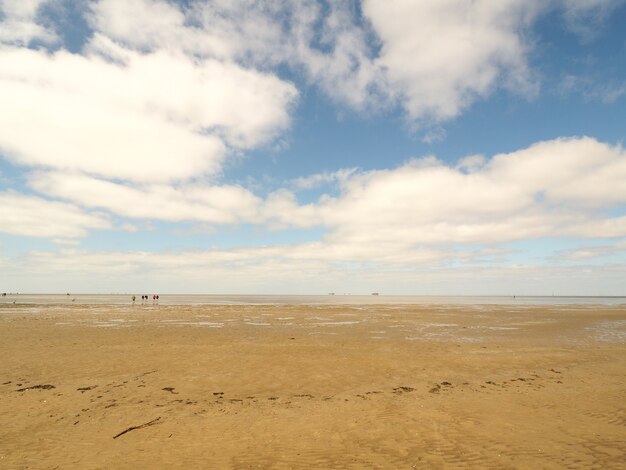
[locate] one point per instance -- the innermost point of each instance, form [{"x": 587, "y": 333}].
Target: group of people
[{"x": 145, "y": 298}]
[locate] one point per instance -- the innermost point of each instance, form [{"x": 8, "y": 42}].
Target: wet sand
[{"x": 266, "y": 386}]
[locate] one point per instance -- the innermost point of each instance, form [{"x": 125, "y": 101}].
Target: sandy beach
[{"x": 297, "y": 386}]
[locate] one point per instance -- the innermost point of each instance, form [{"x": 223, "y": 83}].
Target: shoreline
[{"x": 297, "y": 299}]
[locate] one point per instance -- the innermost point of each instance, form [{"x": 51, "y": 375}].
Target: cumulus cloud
[
  {"x": 162, "y": 93},
  {"x": 325, "y": 45},
  {"x": 441, "y": 55},
  {"x": 435, "y": 57},
  {"x": 151, "y": 25},
  {"x": 19, "y": 25},
  {"x": 146, "y": 117},
  {"x": 563, "y": 187},
  {"x": 225, "y": 204},
  {"x": 37, "y": 217}
]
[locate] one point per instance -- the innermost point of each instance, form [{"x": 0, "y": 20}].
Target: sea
[{"x": 208, "y": 299}]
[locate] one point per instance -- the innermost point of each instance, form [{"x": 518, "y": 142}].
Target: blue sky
[{"x": 402, "y": 147}]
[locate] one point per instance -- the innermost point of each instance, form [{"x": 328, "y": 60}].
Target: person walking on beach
[{"x": 133, "y": 300}]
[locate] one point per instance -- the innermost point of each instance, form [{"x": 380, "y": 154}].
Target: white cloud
[
  {"x": 155, "y": 24},
  {"x": 440, "y": 55},
  {"x": 327, "y": 47},
  {"x": 249, "y": 271},
  {"x": 37, "y": 217},
  {"x": 471, "y": 163},
  {"x": 600, "y": 89},
  {"x": 584, "y": 17},
  {"x": 223, "y": 30},
  {"x": 338, "y": 56},
  {"x": 591, "y": 252},
  {"x": 556, "y": 188},
  {"x": 319, "y": 179},
  {"x": 434, "y": 58},
  {"x": 153, "y": 117},
  {"x": 581, "y": 172},
  {"x": 242, "y": 268},
  {"x": 226, "y": 204},
  {"x": 562, "y": 187},
  {"x": 19, "y": 22}
]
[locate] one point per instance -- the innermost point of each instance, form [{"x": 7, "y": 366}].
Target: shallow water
[{"x": 202, "y": 299}]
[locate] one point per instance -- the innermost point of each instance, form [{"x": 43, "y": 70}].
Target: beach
[{"x": 312, "y": 386}]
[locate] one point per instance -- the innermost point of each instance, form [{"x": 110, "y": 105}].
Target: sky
[{"x": 407, "y": 147}]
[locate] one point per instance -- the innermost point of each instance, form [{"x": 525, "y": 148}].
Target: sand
[{"x": 264, "y": 386}]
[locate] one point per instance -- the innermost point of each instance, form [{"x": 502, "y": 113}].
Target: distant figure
[
  {"x": 157, "y": 296},
  {"x": 133, "y": 299}
]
